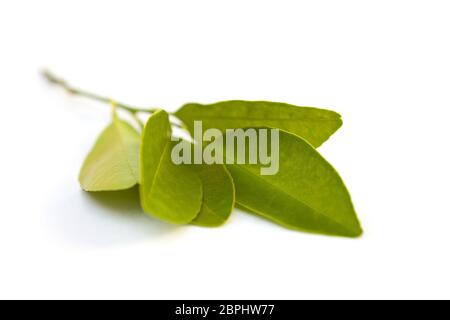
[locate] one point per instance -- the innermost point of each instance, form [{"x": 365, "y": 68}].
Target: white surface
[{"x": 384, "y": 65}]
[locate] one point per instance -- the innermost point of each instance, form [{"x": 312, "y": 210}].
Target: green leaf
[
  {"x": 312, "y": 124},
  {"x": 170, "y": 192},
  {"x": 218, "y": 195},
  {"x": 306, "y": 194},
  {"x": 113, "y": 162}
]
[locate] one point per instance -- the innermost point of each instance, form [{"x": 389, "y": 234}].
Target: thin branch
[{"x": 75, "y": 91}]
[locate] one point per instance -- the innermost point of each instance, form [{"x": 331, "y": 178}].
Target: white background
[{"x": 384, "y": 65}]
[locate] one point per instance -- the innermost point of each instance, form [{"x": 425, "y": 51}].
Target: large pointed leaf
[
  {"x": 218, "y": 195},
  {"x": 113, "y": 162},
  {"x": 306, "y": 193},
  {"x": 170, "y": 192},
  {"x": 312, "y": 124}
]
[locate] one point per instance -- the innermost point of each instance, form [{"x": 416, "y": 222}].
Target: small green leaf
[
  {"x": 218, "y": 195},
  {"x": 306, "y": 193},
  {"x": 312, "y": 124},
  {"x": 170, "y": 192},
  {"x": 113, "y": 162}
]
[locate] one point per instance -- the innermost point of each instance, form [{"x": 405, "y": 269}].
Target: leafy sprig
[{"x": 306, "y": 194}]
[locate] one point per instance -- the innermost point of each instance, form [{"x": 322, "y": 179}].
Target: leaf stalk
[
  {"x": 50, "y": 77},
  {"x": 55, "y": 80}
]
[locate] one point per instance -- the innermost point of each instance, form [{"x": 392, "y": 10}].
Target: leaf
[
  {"x": 170, "y": 192},
  {"x": 314, "y": 125},
  {"x": 306, "y": 193},
  {"x": 218, "y": 195},
  {"x": 113, "y": 162}
]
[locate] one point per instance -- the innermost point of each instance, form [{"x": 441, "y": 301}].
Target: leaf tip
[{"x": 354, "y": 231}]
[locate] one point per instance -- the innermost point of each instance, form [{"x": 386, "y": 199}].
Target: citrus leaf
[
  {"x": 170, "y": 192},
  {"x": 312, "y": 124},
  {"x": 113, "y": 162},
  {"x": 218, "y": 195},
  {"x": 306, "y": 194}
]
